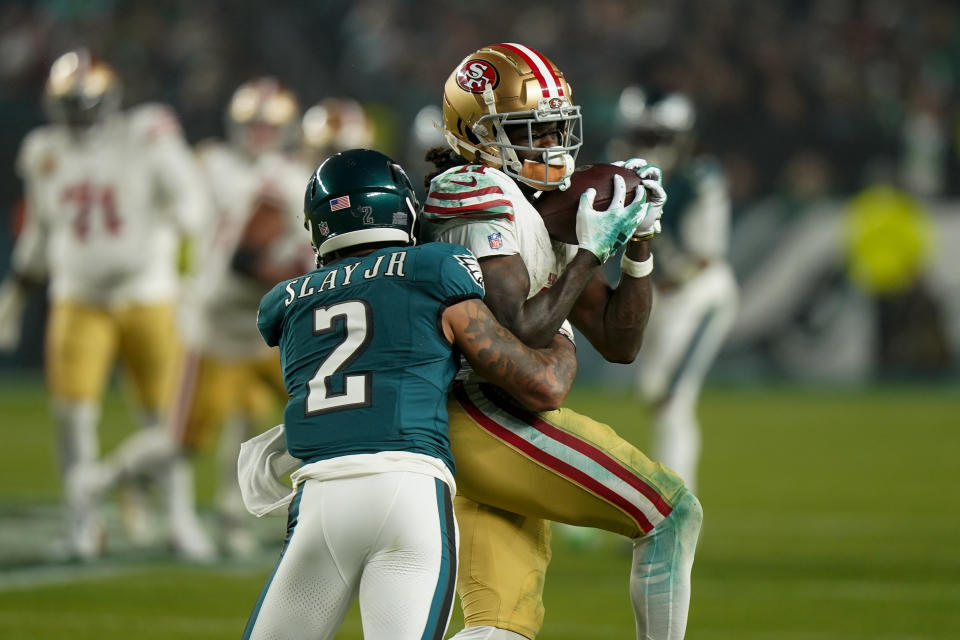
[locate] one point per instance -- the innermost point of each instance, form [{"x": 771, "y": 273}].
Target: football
[{"x": 559, "y": 208}]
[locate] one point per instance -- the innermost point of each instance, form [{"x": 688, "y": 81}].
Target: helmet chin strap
[{"x": 457, "y": 145}]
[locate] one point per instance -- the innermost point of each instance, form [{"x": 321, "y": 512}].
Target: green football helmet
[{"x": 359, "y": 197}]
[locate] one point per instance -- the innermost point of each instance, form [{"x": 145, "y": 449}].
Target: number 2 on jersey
[
  {"x": 358, "y": 332},
  {"x": 85, "y": 197}
]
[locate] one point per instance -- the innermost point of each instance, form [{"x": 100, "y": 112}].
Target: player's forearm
[
  {"x": 541, "y": 315},
  {"x": 537, "y": 378},
  {"x": 616, "y": 332}
]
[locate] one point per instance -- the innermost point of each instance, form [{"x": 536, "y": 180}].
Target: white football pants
[
  {"x": 687, "y": 327},
  {"x": 390, "y": 538}
]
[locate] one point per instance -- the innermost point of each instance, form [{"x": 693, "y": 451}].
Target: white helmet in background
[
  {"x": 658, "y": 127},
  {"x": 80, "y": 90},
  {"x": 334, "y": 125},
  {"x": 263, "y": 115}
]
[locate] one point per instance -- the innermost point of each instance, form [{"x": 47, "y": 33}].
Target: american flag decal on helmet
[{"x": 343, "y": 202}]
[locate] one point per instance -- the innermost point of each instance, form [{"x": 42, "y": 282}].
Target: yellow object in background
[{"x": 890, "y": 239}]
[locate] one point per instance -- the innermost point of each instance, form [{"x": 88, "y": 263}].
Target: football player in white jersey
[
  {"x": 695, "y": 294},
  {"x": 108, "y": 194},
  {"x": 514, "y": 131},
  {"x": 229, "y": 383},
  {"x": 257, "y": 185}
]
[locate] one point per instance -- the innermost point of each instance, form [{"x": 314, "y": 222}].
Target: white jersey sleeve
[
  {"x": 484, "y": 210},
  {"x": 180, "y": 187},
  {"x": 35, "y": 158},
  {"x": 705, "y": 227},
  {"x": 469, "y": 206}
]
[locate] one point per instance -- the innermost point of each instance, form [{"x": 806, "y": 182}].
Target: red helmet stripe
[{"x": 549, "y": 82}]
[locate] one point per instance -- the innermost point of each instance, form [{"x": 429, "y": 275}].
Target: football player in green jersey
[{"x": 370, "y": 343}]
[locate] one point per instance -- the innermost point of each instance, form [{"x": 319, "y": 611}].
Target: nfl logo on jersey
[{"x": 495, "y": 240}]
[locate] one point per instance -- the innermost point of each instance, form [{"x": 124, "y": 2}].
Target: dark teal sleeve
[
  {"x": 458, "y": 274},
  {"x": 270, "y": 314}
]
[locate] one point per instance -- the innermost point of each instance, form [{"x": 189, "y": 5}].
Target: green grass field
[{"x": 829, "y": 514}]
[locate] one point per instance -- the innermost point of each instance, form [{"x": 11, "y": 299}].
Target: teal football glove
[{"x": 603, "y": 232}]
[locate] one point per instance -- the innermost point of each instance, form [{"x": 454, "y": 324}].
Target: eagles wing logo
[{"x": 468, "y": 262}]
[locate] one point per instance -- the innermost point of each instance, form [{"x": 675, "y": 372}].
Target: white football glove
[
  {"x": 603, "y": 232},
  {"x": 12, "y": 301},
  {"x": 651, "y": 177}
]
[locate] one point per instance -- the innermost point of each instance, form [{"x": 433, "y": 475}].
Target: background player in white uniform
[
  {"x": 507, "y": 110},
  {"x": 227, "y": 376},
  {"x": 695, "y": 294},
  {"x": 369, "y": 342},
  {"x": 108, "y": 194},
  {"x": 257, "y": 240}
]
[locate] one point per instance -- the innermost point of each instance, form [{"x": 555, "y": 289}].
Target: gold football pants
[
  {"x": 210, "y": 390},
  {"x": 83, "y": 342},
  {"x": 516, "y": 470}
]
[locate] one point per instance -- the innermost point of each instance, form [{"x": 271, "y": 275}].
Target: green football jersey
[{"x": 365, "y": 361}]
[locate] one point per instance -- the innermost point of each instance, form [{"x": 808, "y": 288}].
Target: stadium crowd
[{"x": 777, "y": 83}]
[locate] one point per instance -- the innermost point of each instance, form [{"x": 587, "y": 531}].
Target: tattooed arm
[{"x": 537, "y": 378}]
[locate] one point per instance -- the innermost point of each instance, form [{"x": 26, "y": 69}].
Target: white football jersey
[
  {"x": 105, "y": 207},
  {"x": 219, "y": 311},
  {"x": 484, "y": 210},
  {"x": 696, "y": 226}
]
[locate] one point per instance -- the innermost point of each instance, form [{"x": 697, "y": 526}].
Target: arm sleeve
[
  {"x": 270, "y": 314},
  {"x": 30, "y": 252},
  {"x": 453, "y": 273},
  {"x": 705, "y": 228},
  {"x": 470, "y": 208},
  {"x": 181, "y": 187}
]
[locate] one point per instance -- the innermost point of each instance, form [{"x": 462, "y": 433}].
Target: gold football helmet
[
  {"x": 263, "y": 115},
  {"x": 505, "y": 85},
  {"x": 333, "y": 125},
  {"x": 80, "y": 90}
]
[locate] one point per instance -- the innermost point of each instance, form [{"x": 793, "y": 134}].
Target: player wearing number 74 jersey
[
  {"x": 369, "y": 344},
  {"x": 107, "y": 193}
]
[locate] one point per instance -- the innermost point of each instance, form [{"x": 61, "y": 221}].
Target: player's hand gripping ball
[{"x": 559, "y": 208}]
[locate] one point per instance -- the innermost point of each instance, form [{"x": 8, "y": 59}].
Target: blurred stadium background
[{"x": 832, "y": 416}]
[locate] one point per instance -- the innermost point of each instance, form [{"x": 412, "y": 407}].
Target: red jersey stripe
[
  {"x": 483, "y": 207},
  {"x": 472, "y": 168},
  {"x": 439, "y": 195}
]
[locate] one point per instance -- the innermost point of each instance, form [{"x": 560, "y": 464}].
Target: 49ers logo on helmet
[{"x": 475, "y": 75}]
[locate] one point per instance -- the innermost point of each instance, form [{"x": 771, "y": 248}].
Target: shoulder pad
[
  {"x": 37, "y": 153},
  {"x": 452, "y": 268},
  {"x": 471, "y": 192},
  {"x": 154, "y": 121}
]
